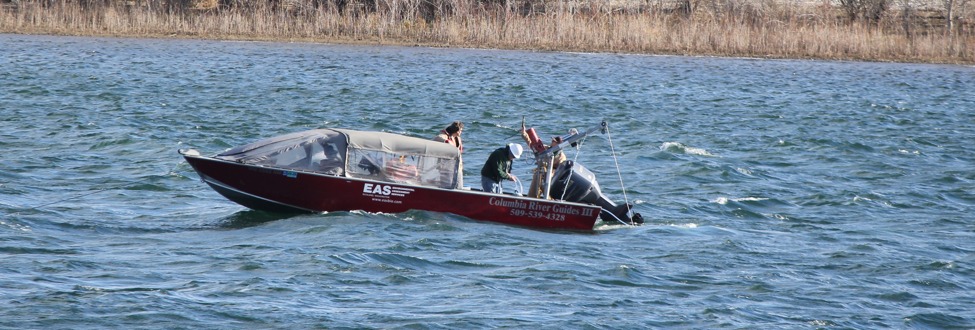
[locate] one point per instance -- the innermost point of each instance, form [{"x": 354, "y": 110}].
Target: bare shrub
[{"x": 869, "y": 10}]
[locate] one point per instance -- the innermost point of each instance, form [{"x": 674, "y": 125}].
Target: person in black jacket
[{"x": 498, "y": 167}]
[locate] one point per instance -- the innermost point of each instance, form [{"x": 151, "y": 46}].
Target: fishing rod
[
  {"x": 573, "y": 138},
  {"x": 545, "y": 157}
]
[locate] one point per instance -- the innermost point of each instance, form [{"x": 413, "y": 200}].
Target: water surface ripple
[{"x": 778, "y": 194}]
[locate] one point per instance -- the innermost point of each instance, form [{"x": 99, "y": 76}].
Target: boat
[{"x": 334, "y": 169}]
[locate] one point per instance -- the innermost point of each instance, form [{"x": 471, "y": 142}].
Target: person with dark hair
[
  {"x": 541, "y": 172},
  {"x": 451, "y": 135},
  {"x": 498, "y": 167}
]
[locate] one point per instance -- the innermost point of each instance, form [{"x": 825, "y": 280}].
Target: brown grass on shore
[{"x": 765, "y": 29}]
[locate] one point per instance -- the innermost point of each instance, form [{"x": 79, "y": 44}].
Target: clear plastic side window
[{"x": 402, "y": 168}]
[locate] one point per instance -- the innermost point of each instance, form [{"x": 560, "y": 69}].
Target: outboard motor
[{"x": 575, "y": 183}]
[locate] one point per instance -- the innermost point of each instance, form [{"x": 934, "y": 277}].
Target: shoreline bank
[{"x": 785, "y": 33}]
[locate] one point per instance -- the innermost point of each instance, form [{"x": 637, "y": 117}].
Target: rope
[
  {"x": 521, "y": 187},
  {"x": 618, "y": 173},
  {"x": 575, "y": 159},
  {"x": 95, "y": 192},
  {"x": 617, "y": 218}
]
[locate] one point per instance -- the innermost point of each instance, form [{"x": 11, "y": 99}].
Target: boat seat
[
  {"x": 331, "y": 167},
  {"x": 369, "y": 165}
]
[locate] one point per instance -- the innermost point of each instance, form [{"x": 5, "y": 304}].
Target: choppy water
[{"x": 778, "y": 194}]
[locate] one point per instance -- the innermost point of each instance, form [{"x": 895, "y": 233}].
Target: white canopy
[{"x": 370, "y": 155}]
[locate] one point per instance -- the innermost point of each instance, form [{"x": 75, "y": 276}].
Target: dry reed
[{"x": 758, "y": 30}]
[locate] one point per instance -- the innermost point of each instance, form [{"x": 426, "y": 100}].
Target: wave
[{"x": 678, "y": 147}]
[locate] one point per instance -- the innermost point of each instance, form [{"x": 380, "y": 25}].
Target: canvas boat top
[{"x": 368, "y": 155}]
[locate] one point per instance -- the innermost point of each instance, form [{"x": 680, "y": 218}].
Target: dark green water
[{"x": 778, "y": 194}]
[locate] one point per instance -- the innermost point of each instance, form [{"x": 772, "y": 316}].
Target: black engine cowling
[{"x": 575, "y": 183}]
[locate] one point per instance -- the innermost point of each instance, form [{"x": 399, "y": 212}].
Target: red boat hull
[{"x": 275, "y": 189}]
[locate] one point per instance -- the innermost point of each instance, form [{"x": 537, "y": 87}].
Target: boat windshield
[{"x": 319, "y": 151}]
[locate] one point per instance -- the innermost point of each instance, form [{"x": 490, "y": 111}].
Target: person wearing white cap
[{"x": 498, "y": 167}]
